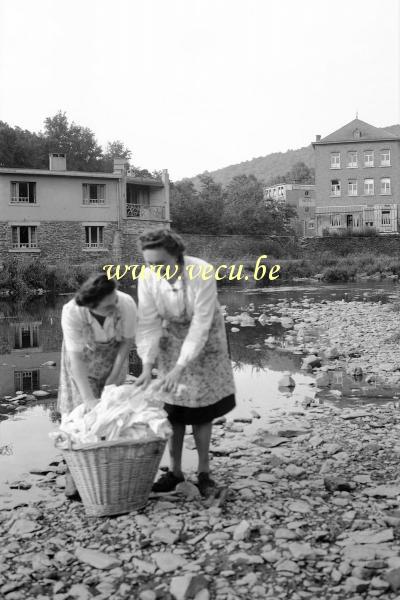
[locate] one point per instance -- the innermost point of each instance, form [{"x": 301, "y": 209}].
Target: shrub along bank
[{"x": 24, "y": 279}]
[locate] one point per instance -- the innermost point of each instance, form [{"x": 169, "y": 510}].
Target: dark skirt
[{"x": 186, "y": 415}]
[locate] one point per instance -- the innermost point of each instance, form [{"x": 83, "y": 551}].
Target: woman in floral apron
[
  {"x": 181, "y": 327},
  {"x": 98, "y": 326}
]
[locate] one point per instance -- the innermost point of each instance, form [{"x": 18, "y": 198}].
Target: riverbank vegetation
[
  {"x": 34, "y": 277},
  {"x": 330, "y": 268},
  {"x": 24, "y": 279}
]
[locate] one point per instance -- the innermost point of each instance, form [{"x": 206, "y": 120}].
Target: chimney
[
  {"x": 57, "y": 161},
  {"x": 121, "y": 165},
  {"x": 317, "y": 138}
]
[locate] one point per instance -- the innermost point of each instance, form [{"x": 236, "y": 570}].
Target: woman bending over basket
[
  {"x": 98, "y": 326},
  {"x": 182, "y": 328}
]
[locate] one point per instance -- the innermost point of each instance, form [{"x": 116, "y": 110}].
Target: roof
[
  {"x": 81, "y": 175},
  {"x": 367, "y": 133}
]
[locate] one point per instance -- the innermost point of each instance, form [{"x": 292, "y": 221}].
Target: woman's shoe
[
  {"x": 166, "y": 483},
  {"x": 205, "y": 484},
  {"x": 71, "y": 491}
]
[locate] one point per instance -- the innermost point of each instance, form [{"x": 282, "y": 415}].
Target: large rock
[
  {"x": 188, "y": 489},
  {"x": 97, "y": 559},
  {"x": 287, "y": 381},
  {"x": 311, "y": 362},
  {"x": 165, "y": 535},
  {"x": 187, "y": 586},
  {"x": 167, "y": 561},
  {"x": 384, "y": 491},
  {"x": 393, "y": 578},
  {"x": 331, "y": 353},
  {"x": 40, "y": 394},
  {"x": 301, "y": 550},
  {"x": 242, "y": 531},
  {"x": 21, "y": 527},
  {"x": 322, "y": 380}
]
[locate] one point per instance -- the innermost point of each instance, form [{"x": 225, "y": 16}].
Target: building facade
[
  {"x": 60, "y": 215},
  {"x": 302, "y": 198},
  {"x": 357, "y": 179}
]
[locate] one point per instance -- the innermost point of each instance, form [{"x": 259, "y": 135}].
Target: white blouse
[
  {"x": 74, "y": 317},
  {"x": 158, "y": 298}
]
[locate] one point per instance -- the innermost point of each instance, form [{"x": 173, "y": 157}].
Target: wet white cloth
[
  {"x": 74, "y": 319},
  {"x": 123, "y": 412},
  {"x": 158, "y": 300}
]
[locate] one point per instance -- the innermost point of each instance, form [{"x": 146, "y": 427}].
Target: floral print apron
[
  {"x": 209, "y": 377},
  {"x": 99, "y": 359}
]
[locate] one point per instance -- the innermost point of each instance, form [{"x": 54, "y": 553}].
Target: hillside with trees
[{"x": 272, "y": 166}]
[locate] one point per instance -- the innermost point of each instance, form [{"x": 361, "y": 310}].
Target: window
[
  {"x": 335, "y": 187},
  {"x": 26, "y": 336},
  {"x": 23, "y": 192},
  {"x": 352, "y": 187},
  {"x": 306, "y": 193},
  {"x": 352, "y": 160},
  {"x": 385, "y": 158},
  {"x": 386, "y": 217},
  {"x": 335, "y": 220},
  {"x": 385, "y": 186},
  {"x": 24, "y": 236},
  {"x": 369, "y": 187},
  {"x": 335, "y": 160},
  {"x": 368, "y": 158},
  {"x": 26, "y": 381},
  {"x": 311, "y": 224},
  {"x": 306, "y": 209},
  {"x": 94, "y": 236},
  {"x": 93, "y": 193}
]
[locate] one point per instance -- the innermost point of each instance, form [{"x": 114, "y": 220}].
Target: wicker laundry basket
[{"x": 114, "y": 477}]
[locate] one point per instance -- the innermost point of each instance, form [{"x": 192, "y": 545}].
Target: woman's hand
[
  {"x": 172, "y": 379},
  {"x": 144, "y": 379}
]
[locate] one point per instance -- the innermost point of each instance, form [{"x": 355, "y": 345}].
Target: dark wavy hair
[
  {"x": 162, "y": 238},
  {"x": 94, "y": 289}
]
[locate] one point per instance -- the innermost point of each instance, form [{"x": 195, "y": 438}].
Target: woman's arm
[
  {"x": 80, "y": 377},
  {"x": 149, "y": 330},
  {"x": 119, "y": 361}
]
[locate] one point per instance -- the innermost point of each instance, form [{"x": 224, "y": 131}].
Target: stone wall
[
  {"x": 61, "y": 242},
  {"x": 342, "y": 246}
]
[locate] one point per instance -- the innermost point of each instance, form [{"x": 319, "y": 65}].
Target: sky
[{"x": 195, "y": 85}]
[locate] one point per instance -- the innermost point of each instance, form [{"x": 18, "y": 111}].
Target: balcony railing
[
  {"x": 22, "y": 199},
  {"x": 25, "y": 245},
  {"x": 149, "y": 213}
]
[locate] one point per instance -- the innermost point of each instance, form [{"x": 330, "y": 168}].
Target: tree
[
  {"x": 246, "y": 211},
  {"x": 183, "y": 200},
  {"x": 21, "y": 148},
  {"x": 210, "y": 206},
  {"x": 116, "y": 149},
  {"x": 299, "y": 173},
  {"x": 79, "y": 143}
]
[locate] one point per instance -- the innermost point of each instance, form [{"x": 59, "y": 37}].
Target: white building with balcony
[{"x": 76, "y": 217}]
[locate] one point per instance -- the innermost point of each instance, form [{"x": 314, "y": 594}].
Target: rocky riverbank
[
  {"x": 360, "y": 337},
  {"x": 310, "y": 508}
]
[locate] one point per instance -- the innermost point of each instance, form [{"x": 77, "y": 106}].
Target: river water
[{"x": 30, "y": 337}]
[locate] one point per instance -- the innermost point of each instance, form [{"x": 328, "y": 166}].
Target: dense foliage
[
  {"x": 239, "y": 208},
  {"x": 21, "y": 148}
]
